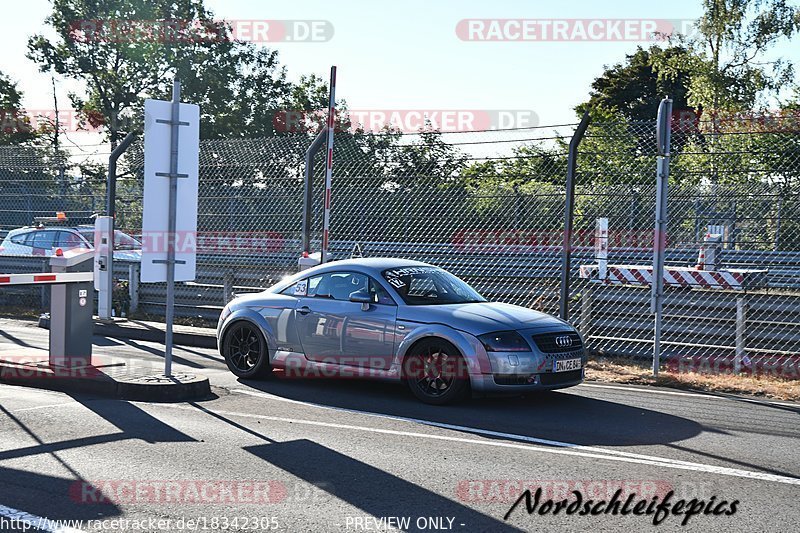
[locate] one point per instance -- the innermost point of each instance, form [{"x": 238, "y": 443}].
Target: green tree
[
  {"x": 15, "y": 128},
  {"x": 128, "y": 50},
  {"x": 728, "y": 53},
  {"x": 634, "y": 88}
]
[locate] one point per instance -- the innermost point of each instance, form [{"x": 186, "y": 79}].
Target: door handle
[{"x": 304, "y": 310}]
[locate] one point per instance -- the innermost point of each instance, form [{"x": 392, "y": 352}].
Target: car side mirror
[{"x": 361, "y": 297}]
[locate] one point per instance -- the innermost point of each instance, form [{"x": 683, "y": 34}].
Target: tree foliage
[
  {"x": 634, "y": 88},
  {"x": 128, "y": 50},
  {"x": 728, "y": 53}
]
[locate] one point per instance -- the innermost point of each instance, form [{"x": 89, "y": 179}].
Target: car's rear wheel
[
  {"x": 245, "y": 351},
  {"x": 436, "y": 372}
]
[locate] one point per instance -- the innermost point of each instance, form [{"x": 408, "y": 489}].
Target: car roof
[
  {"x": 368, "y": 265},
  {"x": 41, "y": 228},
  {"x": 371, "y": 263}
]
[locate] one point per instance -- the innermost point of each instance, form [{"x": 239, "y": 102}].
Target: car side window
[
  {"x": 379, "y": 294},
  {"x": 298, "y": 288},
  {"x": 337, "y": 285},
  {"x": 22, "y": 239},
  {"x": 67, "y": 239},
  {"x": 43, "y": 239}
]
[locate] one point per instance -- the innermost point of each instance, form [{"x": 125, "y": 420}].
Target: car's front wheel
[
  {"x": 436, "y": 372},
  {"x": 245, "y": 351}
]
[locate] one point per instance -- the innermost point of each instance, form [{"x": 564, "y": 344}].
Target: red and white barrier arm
[
  {"x": 45, "y": 279},
  {"x": 682, "y": 277}
]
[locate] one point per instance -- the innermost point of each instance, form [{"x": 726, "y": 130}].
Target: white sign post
[{"x": 169, "y": 220}]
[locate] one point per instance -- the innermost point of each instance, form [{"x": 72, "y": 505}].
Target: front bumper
[
  {"x": 516, "y": 383},
  {"x": 515, "y": 372}
]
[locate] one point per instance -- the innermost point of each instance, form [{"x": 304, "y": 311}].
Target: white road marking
[
  {"x": 29, "y": 390},
  {"x": 73, "y": 403},
  {"x": 547, "y": 446},
  {"x": 691, "y": 394},
  {"x": 38, "y": 522}
]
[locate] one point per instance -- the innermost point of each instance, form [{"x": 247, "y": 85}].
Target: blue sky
[{"x": 406, "y": 55}]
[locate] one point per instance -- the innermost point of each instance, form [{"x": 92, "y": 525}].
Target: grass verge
[{"x": 614, "y": 370}]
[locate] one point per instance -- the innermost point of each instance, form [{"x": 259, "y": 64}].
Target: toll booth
[{"x": 71, "y": 308}]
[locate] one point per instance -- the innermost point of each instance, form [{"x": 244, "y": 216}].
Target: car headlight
[
  {"x": 504, "y": 341},
  {"x": 226, "y": 312}
]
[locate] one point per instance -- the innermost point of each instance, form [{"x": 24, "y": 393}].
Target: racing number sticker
[
  {"x": 397, "y": 283},
  {"x": 301, "y": 288}
]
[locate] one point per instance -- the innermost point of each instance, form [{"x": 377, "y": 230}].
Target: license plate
[{"x": 565, "y": 365}]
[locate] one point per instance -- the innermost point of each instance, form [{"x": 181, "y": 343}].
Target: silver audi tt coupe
[{"x": 398, "y": 320}]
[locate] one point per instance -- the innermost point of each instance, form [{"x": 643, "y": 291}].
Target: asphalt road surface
[{"x": 340, "y": 455}]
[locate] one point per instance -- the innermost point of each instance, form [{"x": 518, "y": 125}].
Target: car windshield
[{"x": 426, "y": 285}]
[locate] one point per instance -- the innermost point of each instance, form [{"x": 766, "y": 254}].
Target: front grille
[
  {"x": 549, "y": 342},
  {"x": 548, "y": 378},
  {"x": 556, "y": 378},
  {"x": 511, "y": 379}
]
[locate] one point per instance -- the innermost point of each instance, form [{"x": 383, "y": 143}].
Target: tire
[
  {"x": 245, "y": 351},
  {"x": 436, "y": 372}
]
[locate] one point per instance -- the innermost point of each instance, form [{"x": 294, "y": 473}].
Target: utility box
[
  {"x": 710, "y": 250},
  {"x": 71, "y": 306},
  {"x": 307, "y": 261}
]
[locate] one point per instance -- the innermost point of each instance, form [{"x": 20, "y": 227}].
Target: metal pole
[
  {"x": 111, "y": 211},
  {"x": 326, "y": 218},
  {"x": 741, "y": 333},
  {"x": 663, "y": 132},
  {"x": 569, "y": 208},
  {"x": 308, "y": 190},
  {"x": 173, "y": 207}
]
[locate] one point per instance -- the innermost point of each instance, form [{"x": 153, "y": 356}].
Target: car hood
[{"x": 483, "y": 317}]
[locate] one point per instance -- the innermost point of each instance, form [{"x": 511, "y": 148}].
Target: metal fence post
[
  {"x": 326, "y": 213},
  {"x": 308, "y": 189},
  {"x": 111, "y": 211},
  {"x": 45, "y": 290},
  {"x": 569, "y": 210},
  {"x": 227, "y": 287},
  {"x": 586, "y": 312},
  {"x": 133, "y": 286},
  {"x": 741, "y": 332},
  {"x": 663, "y": 131}
]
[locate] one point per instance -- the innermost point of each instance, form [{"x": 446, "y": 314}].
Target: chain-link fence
[
  {"x": 489, "y": 206},
  {"x": 738, "y": 179}
]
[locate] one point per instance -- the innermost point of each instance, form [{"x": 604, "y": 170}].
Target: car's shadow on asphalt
[{"x": 558, "y": 415}]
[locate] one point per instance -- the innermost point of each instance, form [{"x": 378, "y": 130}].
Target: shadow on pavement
[
  {"x": 558, "y": 415},
  {"x": 55, "y": 498},
  {"x": 376, "y": 492},
  {"x": 133, "y": 421}
]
